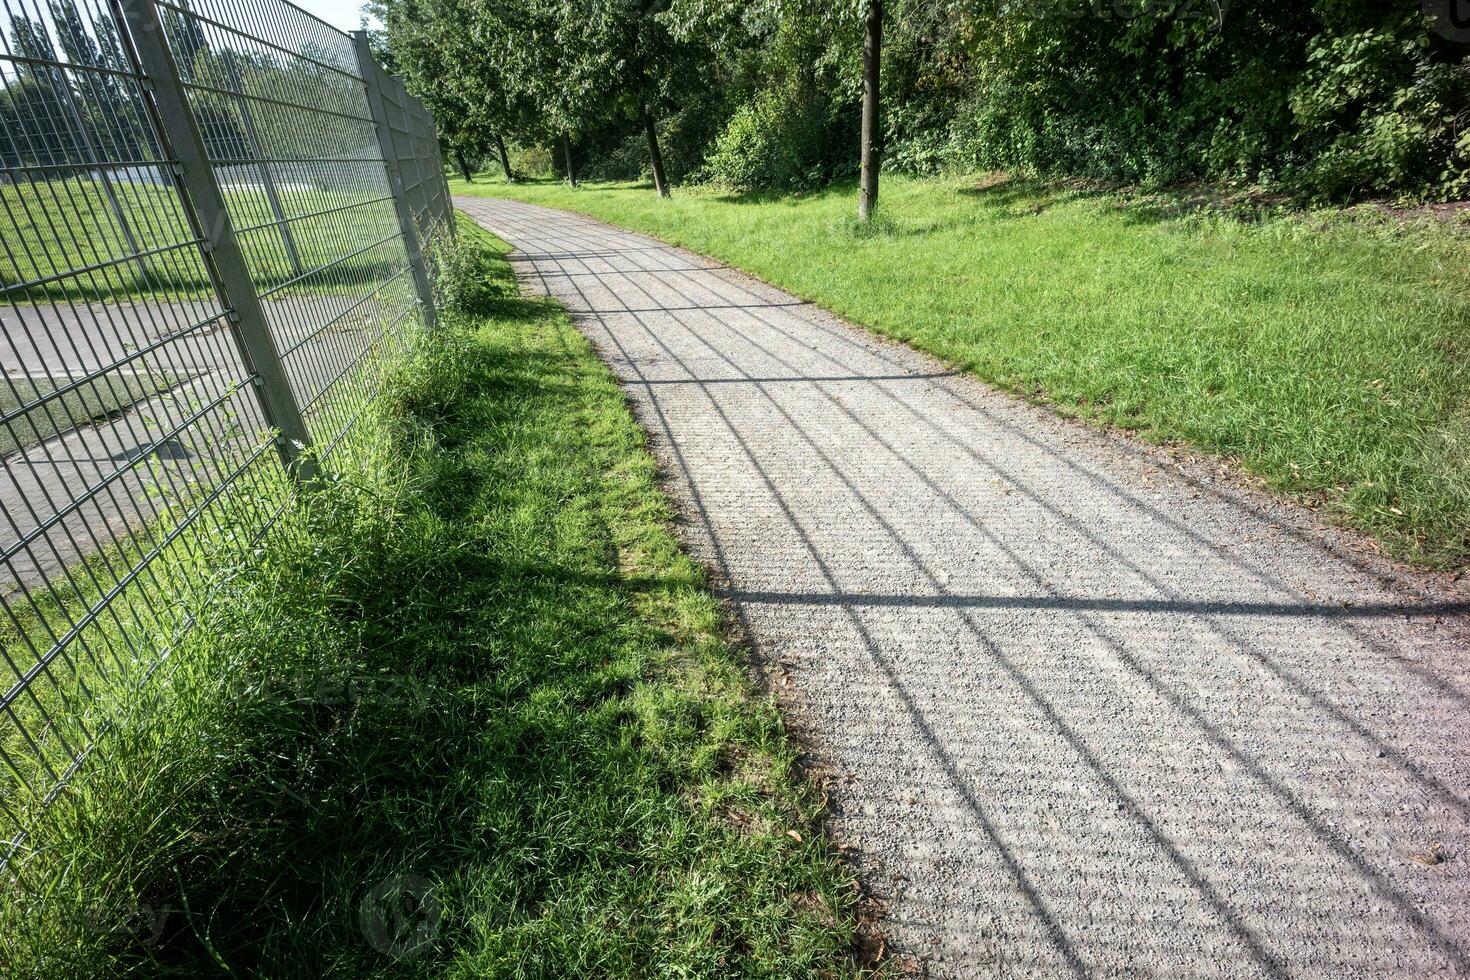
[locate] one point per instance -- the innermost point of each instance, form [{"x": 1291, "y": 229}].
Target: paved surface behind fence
[
  {"x": 1085, "y": 712},
  {"x": 66, "y": 342}
]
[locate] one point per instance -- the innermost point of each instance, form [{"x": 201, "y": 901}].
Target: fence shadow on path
[{"x": 1085, "y": 725}]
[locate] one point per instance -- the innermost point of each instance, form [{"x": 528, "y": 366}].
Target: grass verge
[
  {"x": 1326, "y": 352},
  {"x": 480, "y": 721},
  {"x": 71, "y": 241},
  {"x": 100, "y": 399}
]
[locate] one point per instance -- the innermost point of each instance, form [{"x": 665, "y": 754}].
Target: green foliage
[
  {"x": 462, "y": 276},
  {"x": 477, "y": 82},
  {"x": 1336, "y": 98},
  {"x": 1393, "y": 112},
  {"x": 684, "y": 136},
  {"x": 533, "y": 160},
  {"x": 778, "y": 140}
]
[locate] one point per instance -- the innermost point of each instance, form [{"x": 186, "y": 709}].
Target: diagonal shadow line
[
  {"x": 579, "y": 256},
  {"x": 1255, "y": 573},
  {"x": 1148, "y": 606},
  {"x": 675, "y": 269},
  {"x": 768, "y": 395},
  {"x": 1094, "y": 477},
  {"x": 570, "y": 246},
  {"x": 1180, "y": 860},
  {"x": 721, "y": 563},
  {"x": 1439, "y": 684},
  {"x": 1395, "y": 755},
  {"x": 1289, "y": 801},
  {"x": 795, "y": 379},
  {"x": 716, "y": 297},
  {"x": 670, "y": 309},
  {"x": 1043, "y": 914}
]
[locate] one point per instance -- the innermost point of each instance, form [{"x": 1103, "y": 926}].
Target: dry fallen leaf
[{"x": 794, "y": 836}]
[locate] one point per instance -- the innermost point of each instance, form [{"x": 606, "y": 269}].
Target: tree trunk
[
  {"x": 510, "y": 177},
  {"x": 464, "y": 167},
  {"x": 566, "y": 152},
  {"x": 660, "y": 183},
  {"x": 872, "y": 150}
]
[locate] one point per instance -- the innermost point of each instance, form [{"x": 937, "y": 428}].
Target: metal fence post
[
  {"x": 222, "y": 255},
  {"x": 368, "y": 67}
]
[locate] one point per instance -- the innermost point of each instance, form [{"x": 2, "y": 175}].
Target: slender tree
[
  {"x": 655, "y": 157},
  {"x": 649, "y": 67},
  {"x": 510, "y": 175},
  {"x": 566, "y": 156},
  {"x": 872, "y": 136},
  {"x": 463, "y": 165}
]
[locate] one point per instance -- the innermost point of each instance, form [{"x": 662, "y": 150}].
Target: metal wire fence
[{"x": 210, "y": 224}]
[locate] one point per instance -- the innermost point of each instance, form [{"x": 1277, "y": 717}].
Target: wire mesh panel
[
  {"x": 418, "y": 142},
  {"x": 287, "y": 127},
  {"x": 138, "y": 453},
  {"x": 414, "y": 146}
]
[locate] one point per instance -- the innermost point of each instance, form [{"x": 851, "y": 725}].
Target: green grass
[
  {"x": 96, "y": 399},
  {"x": 63, "y": 236},
  {"x": 1328, "y": 353},
  {"x": 475, "y": 717}
]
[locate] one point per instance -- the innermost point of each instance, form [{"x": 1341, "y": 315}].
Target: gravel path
[{"x": 1085, "y": 709}]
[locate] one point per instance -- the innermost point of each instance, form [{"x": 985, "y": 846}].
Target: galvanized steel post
[
  {"x": 372, "y": 77},
  {"x": 222, "y": 254}
]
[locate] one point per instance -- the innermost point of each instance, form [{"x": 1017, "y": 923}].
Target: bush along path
[
  {"x": 482, "y": 721},
  {"x": 1085, "y": 709}
]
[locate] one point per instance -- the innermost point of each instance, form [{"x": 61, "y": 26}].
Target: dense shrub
[
  {"x": 1393, "y": 115},
  {"x": 780, "y": 140},
  {"x": 684, "y": 137},
  {"x": 532, "y": 161},
  {"x": 1336, "y": 98}
]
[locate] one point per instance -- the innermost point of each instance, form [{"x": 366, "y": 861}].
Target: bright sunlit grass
[
  {"x": 80, "y": 240},
  {"x": 1328, "y": 353}
]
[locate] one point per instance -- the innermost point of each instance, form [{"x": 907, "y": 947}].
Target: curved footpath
[{"x": 1085, "y": 710}]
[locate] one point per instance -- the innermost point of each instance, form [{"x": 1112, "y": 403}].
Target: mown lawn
[
  {"x": 476, "y": 717},
  {"x": 69, "y": 240},
  {"x": 96, "y": 399},
  {"x": 1328, "y": 353}
]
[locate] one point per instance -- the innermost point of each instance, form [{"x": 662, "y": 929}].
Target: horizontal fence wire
[
  {"x": 416, "y": 147},
  {"x": 139, "y": 462}
]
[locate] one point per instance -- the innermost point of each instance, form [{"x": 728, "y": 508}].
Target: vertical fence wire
[{"x": 137, "y": 459}]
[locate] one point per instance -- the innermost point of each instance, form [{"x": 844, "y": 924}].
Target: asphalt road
[
  {"x": 122, "y": 469},
  {"x": 1086, "y": 708}
]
